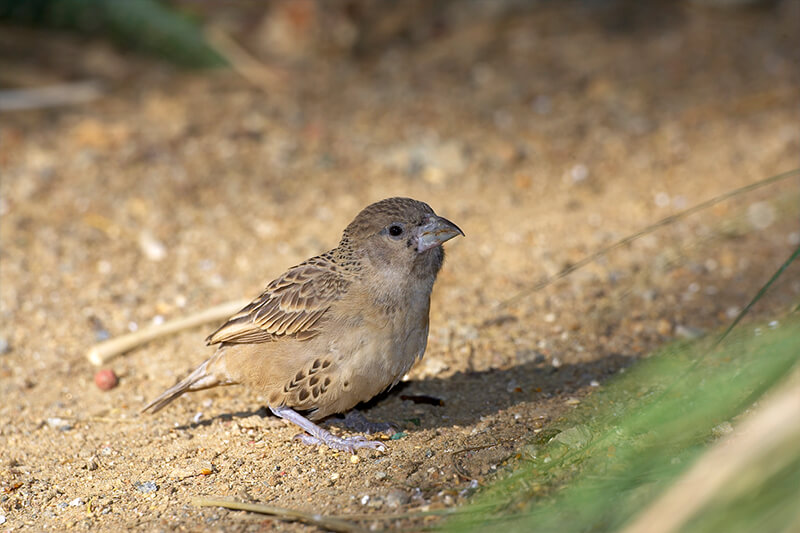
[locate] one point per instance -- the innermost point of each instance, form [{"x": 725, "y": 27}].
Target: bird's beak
[{"x": 434, "y": 232}]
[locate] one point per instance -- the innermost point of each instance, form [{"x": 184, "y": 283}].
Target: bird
[{"x": 337, "y": 329}]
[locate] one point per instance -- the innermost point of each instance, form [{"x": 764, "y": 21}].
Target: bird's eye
[{"x": 395, "y": 230}]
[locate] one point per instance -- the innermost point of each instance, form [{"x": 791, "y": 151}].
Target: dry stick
[
  {"x": 774, "y": 425},
  {"x": 105, "y": 351},
  {"x": 50, "y": 96},
  {"x": 293, "y": 515},
  {"x": 266, "y": 78},
  {"x": 268, "y": 509},
  {"x": 649, "y": 229}
]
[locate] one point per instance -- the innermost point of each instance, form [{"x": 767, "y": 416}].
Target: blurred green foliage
[
  {"x": 143, "y": 25},
  {"x": 627, "y": 443}
]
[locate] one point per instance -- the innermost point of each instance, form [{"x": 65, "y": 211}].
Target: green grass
[
  {"x": 148, "y": 26},
  {"x": 625, "y": 444}
]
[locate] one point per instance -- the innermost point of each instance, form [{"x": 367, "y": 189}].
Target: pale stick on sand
[{"x": 103, "y": 352}]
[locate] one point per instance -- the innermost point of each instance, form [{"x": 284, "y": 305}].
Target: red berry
[{"x": 106, "y": 379}]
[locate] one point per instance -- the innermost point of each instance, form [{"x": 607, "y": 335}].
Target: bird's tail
[{"x": 201, "y": 378}]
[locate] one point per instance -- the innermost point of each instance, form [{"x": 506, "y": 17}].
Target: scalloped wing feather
[{"x": 290, "y": 306}]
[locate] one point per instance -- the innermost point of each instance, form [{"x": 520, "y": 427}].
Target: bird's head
[{"x": 401, "y": 234}]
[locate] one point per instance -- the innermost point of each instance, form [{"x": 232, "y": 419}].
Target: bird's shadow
[{"x": 464, "y": 397}]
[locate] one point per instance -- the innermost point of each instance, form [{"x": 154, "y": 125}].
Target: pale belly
[{"x": 375, "y": 359}]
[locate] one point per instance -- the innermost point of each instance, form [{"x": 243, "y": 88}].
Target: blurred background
[{"x": 160, "y": 157}]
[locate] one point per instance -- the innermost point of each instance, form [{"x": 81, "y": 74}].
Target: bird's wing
[{"x": 290, "y": 306}]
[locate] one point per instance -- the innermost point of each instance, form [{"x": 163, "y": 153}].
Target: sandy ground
[{"x": 545, "y": 134}]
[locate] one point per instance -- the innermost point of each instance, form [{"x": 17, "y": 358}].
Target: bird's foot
[
  {"x": 318, "y": 436},
  {"x": 345, "y": 444},
  {"x": 356, "y": 421}
]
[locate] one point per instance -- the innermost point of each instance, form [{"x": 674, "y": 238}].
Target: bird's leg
[
  {"x": 356, "y": 421},
  {"x": 317, "y": 436}
]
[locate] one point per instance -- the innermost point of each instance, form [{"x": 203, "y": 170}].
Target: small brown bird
[{"x": 337, "y": 329}]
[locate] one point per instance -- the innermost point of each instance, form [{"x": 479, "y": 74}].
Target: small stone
[
  {"x": 688, "y": 332},
  {"x": 663, "y": 327},
  {"x": 542, "y": 105},
  {"x": 574, "y": 437},
  {"x": 146, "y": 487},
  {"x": 335, "y": 476},
  {"x": 555, "y": 362},
  {"x": 106, "y": 379},
  {"x": 59, "y": 423},
  {"x": 761, "y": 215},
  {"x": 91, "y": 464},
  {"x": 396, "y": 498},
  {"x": 77, "y": 502},
  {"x": 720, "y": 430},
  {"x": 365, "y": 499},
  {"x": 380, "y": 476},
  {"x": 572, "y": 401},
  {"x": 4, "y": 346},
  {"x": 2, "y": 519},
  {"x": 594, "y": 383},
  {"x": 579, "y": 173},
  {"x": 354, "y": 459},
  {"x": 151, "y": 247}
]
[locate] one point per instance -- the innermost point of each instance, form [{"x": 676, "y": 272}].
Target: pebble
[
  {"x": 663, "y": 327},
  {"x": 2, "y": 519},
  {"x": 59, "y": 424},
  {"x": 106, "y": 379},
  {"x": 146, "y": 487},
  {"x": 77, "y": 502},
  {"x": 4, "y": 346},
  {"x": 380, "y": 476},
  {"x": 688, "y": 332},
  {"x": 761, "y": 215},
  {"x": 542, "y": 105},
  {"x": 662, "y": 199},
  {"x": 397, "y": 498},
  {"x": 579, "y": 173},
  {"x": 720, "y": 430},
  {"x": 152, "y": 247}
]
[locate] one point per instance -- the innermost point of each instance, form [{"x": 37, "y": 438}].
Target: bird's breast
[{"x": 378, "y": 348}]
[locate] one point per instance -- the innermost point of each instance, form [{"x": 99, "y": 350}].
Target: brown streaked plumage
[{"x": 338, "y": 328}]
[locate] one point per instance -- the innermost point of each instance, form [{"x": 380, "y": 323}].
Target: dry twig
[
  {"x": 292, "y": 515},
  {"x": 268, "y": 79},
  {"x": 103, "y": 352},
  {"x": 50, "y": 96}
]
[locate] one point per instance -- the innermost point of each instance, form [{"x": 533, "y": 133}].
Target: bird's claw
[{"x": 347, "y": 444}]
